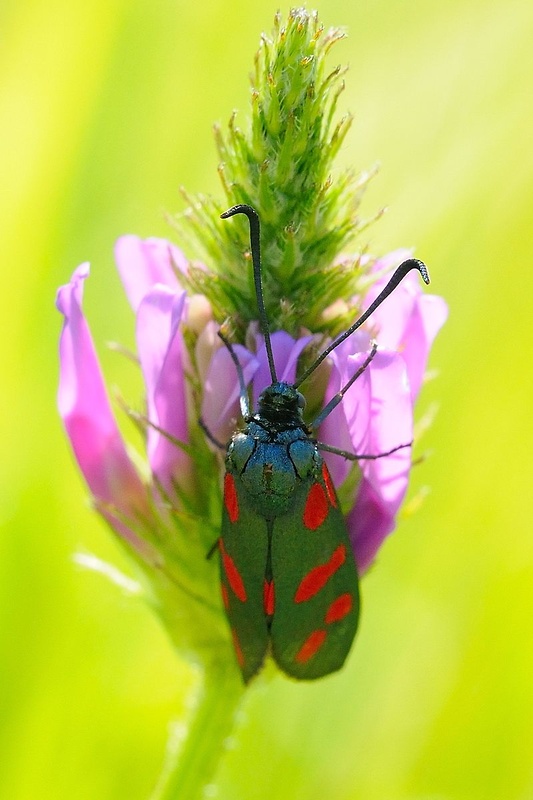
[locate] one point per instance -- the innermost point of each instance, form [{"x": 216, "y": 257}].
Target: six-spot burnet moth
[{"x": 288, "y": 574}]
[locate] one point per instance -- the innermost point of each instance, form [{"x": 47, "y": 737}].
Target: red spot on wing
[
  {"x": 238, "y": 649},
  {"x": 312, "y": 645},
  {"x": 231, "y": 501},
  {"x": 233, "y": 575},
  {"x": 317, "y": 577},
  {"x": 330, "y": 489},
  {"x": 339, "y": 608},
  {"x": 316, "y": 507},
  {"x": 268, "y": 597}
]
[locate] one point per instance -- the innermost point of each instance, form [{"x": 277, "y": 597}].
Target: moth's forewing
[
  {"x": 243, "y": 556},
  {"x": 315, "y": 583}
]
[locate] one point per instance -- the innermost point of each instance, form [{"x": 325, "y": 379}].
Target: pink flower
[
  {"x": 89, "y": 422},
  {"x": 375, "y": 416},
  {"x": 154, "y": 292}
]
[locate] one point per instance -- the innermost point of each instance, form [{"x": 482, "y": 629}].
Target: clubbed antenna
[
  {"x": 255, "y": 244},
  {"x": 398, "y": 275}
]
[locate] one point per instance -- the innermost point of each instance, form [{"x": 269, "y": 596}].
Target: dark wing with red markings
[
  {"x": 316, "y": 595},
  {"x": 243, "y": 557}
]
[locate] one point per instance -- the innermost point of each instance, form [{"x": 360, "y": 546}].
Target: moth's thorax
[
  {"x": 281, "y": 404},
  {"x": 269, "y": 468}
]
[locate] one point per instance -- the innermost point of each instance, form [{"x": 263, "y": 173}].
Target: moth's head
[{"x": 281, "y": 402}]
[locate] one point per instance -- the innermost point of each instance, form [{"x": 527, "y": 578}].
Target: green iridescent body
[
  {"x": 288, "y": 572},
  {"x": 274, "y": 454}
]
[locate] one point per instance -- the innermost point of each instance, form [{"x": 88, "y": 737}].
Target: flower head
[
  {"x": 183, "y": 385},
  {"x": 169, "y": 516}
]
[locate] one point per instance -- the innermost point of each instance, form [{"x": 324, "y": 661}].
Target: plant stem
[{"x": 196, "y": 746}]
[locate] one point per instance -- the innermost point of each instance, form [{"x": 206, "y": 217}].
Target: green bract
[{"x": 281, "y": 164}]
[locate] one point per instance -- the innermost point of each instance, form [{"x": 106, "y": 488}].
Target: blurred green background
[{"x": 105, "y": 109}]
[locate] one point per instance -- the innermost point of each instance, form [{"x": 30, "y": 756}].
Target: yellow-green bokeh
[{"x": 105, "y": 109}]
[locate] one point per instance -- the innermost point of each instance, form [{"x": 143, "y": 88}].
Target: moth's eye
[{"x": 301, "y": 400}]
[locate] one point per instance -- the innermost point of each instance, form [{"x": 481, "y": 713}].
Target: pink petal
[
  {"x": 391, "y": 424},
  {"x": 385, "y": 480},
  {"x": 428, "y": 316},
  {"x": 207, "y": 344},
  {"x": 144, "y": 262},
  {"x": 369, "y": 523},
  {"x": 348, "y": 424},
  {"x": 86, "y": 413},
  {"x": 220, "y": 405},
  {"x": 161, "y": 353}
]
